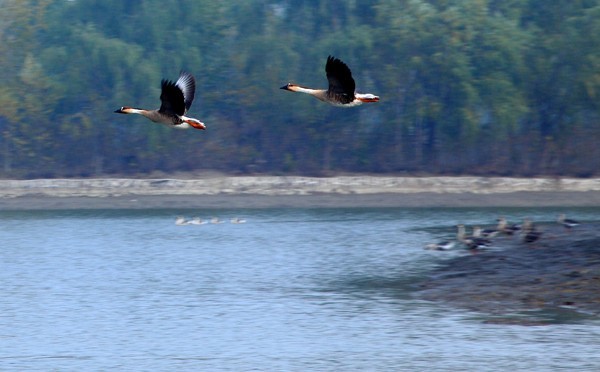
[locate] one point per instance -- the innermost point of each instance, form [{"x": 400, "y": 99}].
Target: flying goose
[
  {"x": 176, "y": 99},
  {"x": 341, "y": 87}
]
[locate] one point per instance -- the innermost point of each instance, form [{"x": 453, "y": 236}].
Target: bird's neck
[
  {"x": 136, "y": 111},
  {"x": 313, "y": 92}
]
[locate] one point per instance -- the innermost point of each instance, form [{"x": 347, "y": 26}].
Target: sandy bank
[{"x": 273, "y": 191}]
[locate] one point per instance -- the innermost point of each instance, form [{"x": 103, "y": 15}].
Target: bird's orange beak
[
  {"x": 196, "y": 124},
  {"x": 124, "y": 110},
  {"x": 288, "y": 86}
]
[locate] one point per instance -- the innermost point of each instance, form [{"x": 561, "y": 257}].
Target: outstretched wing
[
  {"x": 341, "y": 83},
  {"x": 171, "y": 99},
  {"x": 176, "y": 98},
  {"x": 187, "y": 84}
]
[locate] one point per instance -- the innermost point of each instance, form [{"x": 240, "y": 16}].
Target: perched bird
[
  {"x": 181, "y": 221},
  {"x": 489, "y": 233},
  {"x": 478, "y": 233},
  {"x": 176, "y": 99},
  {"x": 531, "y": 236},
  {"x": 566, "y": 222},
  {"x": 341, "y": 87},
  {"x": 196, "y": 221},
  {"x": 461, "y": 234},
  {"x": 505, "y": 228},
  {"x": 529, "y": 233},
  {"x": 441, "y": 246},
  {"x": 471, "y": 241},
  {"x": 476, "y": 243}
]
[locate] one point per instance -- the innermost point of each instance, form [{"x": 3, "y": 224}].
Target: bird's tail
[{"x": 368, "y": 97}]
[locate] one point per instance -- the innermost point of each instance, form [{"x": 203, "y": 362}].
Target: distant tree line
[{"x": 486, "y": 87}]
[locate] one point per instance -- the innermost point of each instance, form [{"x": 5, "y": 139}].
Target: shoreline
[
  {"x": 297, "y": 192},
  {"x": 414, "y": 200}
]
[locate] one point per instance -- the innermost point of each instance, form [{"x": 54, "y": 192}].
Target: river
[{"x": 325, "y": 289}]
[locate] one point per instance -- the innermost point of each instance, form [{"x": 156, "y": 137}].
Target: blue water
[{"x": 290, "y": 289}]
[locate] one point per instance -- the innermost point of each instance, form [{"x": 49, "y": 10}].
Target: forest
[{"x": 477, "y": 87}]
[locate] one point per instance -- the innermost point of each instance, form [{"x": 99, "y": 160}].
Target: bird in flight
[
  {"x": 176, "y": 99},
  {"x": 341, "y": 91}
]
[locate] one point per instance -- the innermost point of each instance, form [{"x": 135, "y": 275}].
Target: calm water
[{"x": 290, "y": 289}]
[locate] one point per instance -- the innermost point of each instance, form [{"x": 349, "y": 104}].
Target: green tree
[{"x": 467, "y": 86}]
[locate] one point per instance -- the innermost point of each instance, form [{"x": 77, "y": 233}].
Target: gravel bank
[{"x": 273, "y": 191}]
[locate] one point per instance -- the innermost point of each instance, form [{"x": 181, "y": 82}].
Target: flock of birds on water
[
  {"x": 483, "y": 238},
  {"x": 176, "y": 97},
  {"x": 182, "y": 221}
]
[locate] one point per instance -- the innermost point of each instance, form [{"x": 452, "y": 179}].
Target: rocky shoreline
[
  {"x": 559, "y": 273},
  {"x": 293, "y": 191},
  {"x": 291, "y": 185}
]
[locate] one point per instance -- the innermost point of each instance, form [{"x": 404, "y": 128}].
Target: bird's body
[
  {"x": 197, "y": 221},
  {"x": 477, "y": 243},
  {"x": 176, "y": 99},
  {"x": 474, "y": 241},
  {"x": 441, "y": 246},
  {"x": 505, "y": 228},
  {"x": 341, "y": 91},
  {"x": 566, "y": 222},
  {"x": 489, "y": 233},
  {"x": 181, "y": 221},
  {"x": 480, "y": 235},
  {"x": 530, "y": 233},
  {"x": 531, "y": 236}
]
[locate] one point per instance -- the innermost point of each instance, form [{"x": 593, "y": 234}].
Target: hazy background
[{"x": 504, "y": 87}]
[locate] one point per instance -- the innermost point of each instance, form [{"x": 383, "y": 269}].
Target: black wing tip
[
  {"x": 336, "y": 64},
  {"x": 339, "y": 76},
  {"x": 166, "y": 83},
  {"x": 334, "y": 60}
]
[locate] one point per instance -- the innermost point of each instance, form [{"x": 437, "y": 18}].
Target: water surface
[{"x": 290, "y": 289}]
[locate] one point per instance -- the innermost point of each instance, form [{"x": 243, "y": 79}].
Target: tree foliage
[{"x": 467, "y": 86}]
